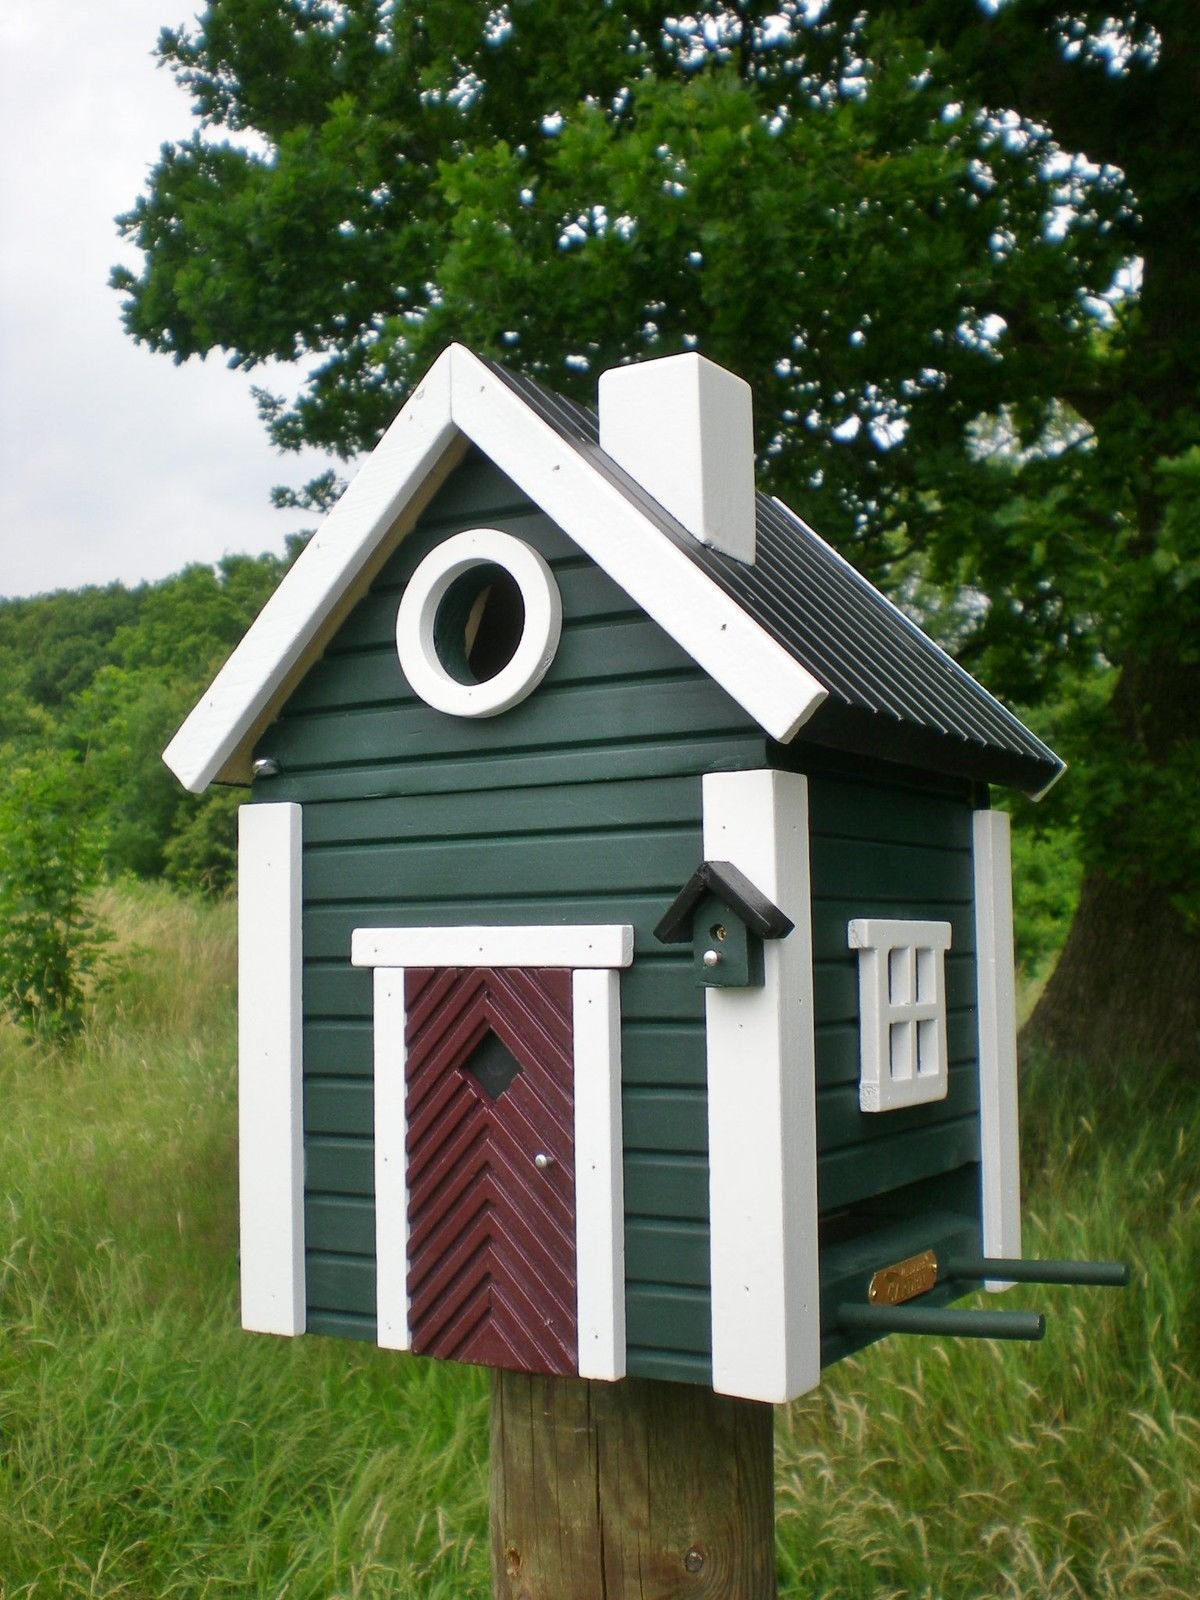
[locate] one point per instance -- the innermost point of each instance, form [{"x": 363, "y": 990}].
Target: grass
[
  {"x": 148, "y": 1448},
  {"x": 1066, "y": 1469}
]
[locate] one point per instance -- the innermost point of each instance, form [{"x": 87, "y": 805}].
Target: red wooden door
[{"x": 491, "y": 1169}]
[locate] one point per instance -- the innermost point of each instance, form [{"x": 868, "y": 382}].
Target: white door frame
[{"x": 594, "y": 955}]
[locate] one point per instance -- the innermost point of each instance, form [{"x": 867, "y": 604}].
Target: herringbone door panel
[{"x": 491, "y": 1262}]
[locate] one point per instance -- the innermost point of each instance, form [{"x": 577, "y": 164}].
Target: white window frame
[
  {"x": 594, "y": 955},
  {"x": 908, "y": 955}
]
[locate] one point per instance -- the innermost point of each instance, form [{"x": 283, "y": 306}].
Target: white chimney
[{"x": 684, "y": 428}]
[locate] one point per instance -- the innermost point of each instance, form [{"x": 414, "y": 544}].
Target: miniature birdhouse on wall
[{"x": 626, "y": 953}]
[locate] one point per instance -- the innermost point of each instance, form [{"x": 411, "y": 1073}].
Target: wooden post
[{"x": 629, "y": 1491}]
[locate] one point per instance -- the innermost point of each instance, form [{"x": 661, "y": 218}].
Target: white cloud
[{"x": 114, "y": 463}]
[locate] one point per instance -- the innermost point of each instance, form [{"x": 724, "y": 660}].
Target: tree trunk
[
  {"x": 629, "y": 1491},
  {"x": 1127, "y": 985}
]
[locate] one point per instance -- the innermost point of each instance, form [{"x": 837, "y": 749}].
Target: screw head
[
  {"x": 541, "y": 1161},
  {"x": 693, "y": 1561},
  {"x": 711, "y": 958}
]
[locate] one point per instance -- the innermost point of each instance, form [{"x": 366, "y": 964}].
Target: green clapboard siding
[
  {"x": 893, "y": 1183},
  {"x": 938, "y": 1213},
  {"x": 337, "y": 1222},
  {"x": 668, "y": 755},
  {"x": 667, "y": 1252},
  {"x": 650, "y": 1308},
  {"x": 341, "y": 1324},
  {"x": 582, "y": 804},
  {"x": 595, "y": 652}
]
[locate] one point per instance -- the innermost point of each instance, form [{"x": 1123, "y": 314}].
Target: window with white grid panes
[{"x": 902, "y": 1011}]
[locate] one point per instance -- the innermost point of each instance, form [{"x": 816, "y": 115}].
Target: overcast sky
[{"x": 114, "y": 462}]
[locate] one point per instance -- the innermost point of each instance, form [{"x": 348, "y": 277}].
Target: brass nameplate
[{"x": 892, "y": 1286}]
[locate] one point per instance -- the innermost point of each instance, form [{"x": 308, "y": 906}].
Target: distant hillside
[{"x": 107, "y": 674}]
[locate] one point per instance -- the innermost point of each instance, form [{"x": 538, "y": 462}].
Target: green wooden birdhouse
[{"x": 510, "y": 1094}]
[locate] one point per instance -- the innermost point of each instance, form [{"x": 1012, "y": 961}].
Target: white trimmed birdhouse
[{"x": 626, "y": 946}]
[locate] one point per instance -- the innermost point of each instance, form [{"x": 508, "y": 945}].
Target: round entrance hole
[{"x": 479, "y": 623}]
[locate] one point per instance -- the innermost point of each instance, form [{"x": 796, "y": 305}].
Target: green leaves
[
  {"x": 951, "y": 246},
  {"x": 50, "y": 858},
  {"x": 102, "y": 678}
]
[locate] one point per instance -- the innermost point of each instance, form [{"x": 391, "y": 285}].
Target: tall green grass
[
  {"x": 148, "y": 1448},
  {"x": 1070, "y": 1468}
]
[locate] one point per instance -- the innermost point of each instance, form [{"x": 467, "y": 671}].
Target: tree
[
  {"x": 951, "y": 246},
  {"x": 106, "y": 676},
  {"x": 122, "y": 719}
]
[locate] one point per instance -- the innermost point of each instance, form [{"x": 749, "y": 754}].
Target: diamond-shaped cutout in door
[{"x": 492, "y": 1065}]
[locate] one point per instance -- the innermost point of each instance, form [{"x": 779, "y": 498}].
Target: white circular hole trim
[{"x": 427, "y": 588}]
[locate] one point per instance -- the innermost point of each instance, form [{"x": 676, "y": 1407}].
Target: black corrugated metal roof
[{"x": 892, "y": 692}]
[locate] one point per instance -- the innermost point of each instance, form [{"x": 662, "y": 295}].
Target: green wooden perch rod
[
  {"x": 937, "y": 1319},
  {"x": 1103, "y": 1274}
]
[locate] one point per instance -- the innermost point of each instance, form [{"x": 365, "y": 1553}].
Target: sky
[{"x": 115, "y": 464}]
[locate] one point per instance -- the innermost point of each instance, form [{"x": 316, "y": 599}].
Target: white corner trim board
[
  {"x": 762, "y": 1108},
  {"x": 1000, "y": 1163},
  {"x": 460, "y": 400},
  {"x": 596, "y": 1031},
  {"x": 416, "y": 630},
  {"x": 270, "y": 1071}
]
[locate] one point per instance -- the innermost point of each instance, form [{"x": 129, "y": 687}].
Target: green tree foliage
[
  {"x": 130, "y": 665},
  {"x": 52, "y": 646},
  {"x": 950, "y": 244},
  {"x": 50, "y": 859},
  {"x": 202, "y": 851}
]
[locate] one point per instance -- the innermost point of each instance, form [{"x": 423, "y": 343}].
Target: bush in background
[{"x": 51, "y": 855}]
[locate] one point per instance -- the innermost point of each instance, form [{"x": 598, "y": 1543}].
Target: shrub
[{"x": 50, "y": 857}]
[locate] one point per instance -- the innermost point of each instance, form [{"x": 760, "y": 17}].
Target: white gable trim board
[
  {"x": 595, "y": 953},
  {"x": 750, "y": 666},
  {"x": 761, "y": 1096},
  {"x": 270, "y": 1072},
  {"x": 1000, "y": 1163},
  {"x": 385, "y": 498},
  {"x": 462, "y": 400}
]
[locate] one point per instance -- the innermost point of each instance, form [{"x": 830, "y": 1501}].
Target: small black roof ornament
[{"x": 734, "y": 889}]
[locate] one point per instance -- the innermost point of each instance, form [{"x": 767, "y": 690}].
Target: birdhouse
[
  {"x": 725, "y": 919},
  {"x": 626, "y": 965}
]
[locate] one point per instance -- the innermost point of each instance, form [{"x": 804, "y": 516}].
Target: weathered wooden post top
[{"x": 626, "y": 937}]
